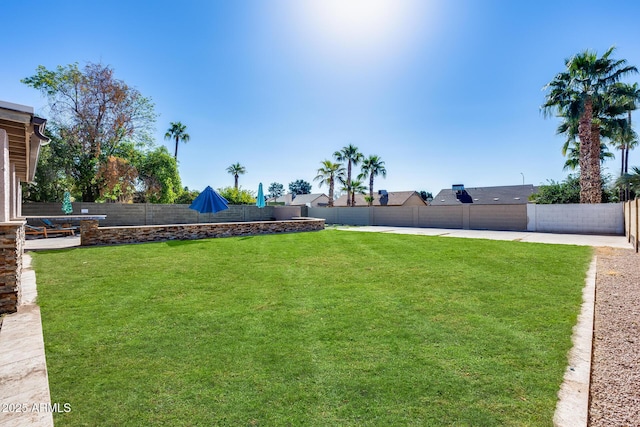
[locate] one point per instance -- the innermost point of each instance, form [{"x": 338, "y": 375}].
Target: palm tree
[
  {"x": 327, "y": 174},
  {"x": 352, "y": 156},
  {"x": 626, "y": 98},
  {"x": 372, "y": 166},
  {"x": 236, "y": 170},
  {"x": 573, "y": 155},
  {"x": 177, "y": 132},
  {"x": 573, "y": 94},
  {"x": 357, "y": 186}
]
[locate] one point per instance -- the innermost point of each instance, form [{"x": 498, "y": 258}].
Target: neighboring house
[
  {"x": 503, "y": 195},
  {"x": 313, "y": 200},
  {"x": 385, "y": 198},
  {"x": 283, "y": 200}
]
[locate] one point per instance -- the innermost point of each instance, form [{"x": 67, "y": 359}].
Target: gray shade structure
[{"x": 209, "y": 201}]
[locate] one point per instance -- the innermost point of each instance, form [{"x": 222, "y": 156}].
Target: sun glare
[{"x": 358, "y": 29}]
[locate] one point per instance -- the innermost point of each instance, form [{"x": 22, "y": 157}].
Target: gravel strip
[{"x": 615, "y": 369}]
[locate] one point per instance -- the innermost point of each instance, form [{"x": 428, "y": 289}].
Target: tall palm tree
[
  {"x": 352, "y": 156},
  {"x": 372, "y": 167},
  {"x": 327, "y": 174},
  {"x": 178, "y": 132},
  {"x": 573, "y": 93},
  {"x": 626, "y": 98},
  {"x": 573, "y": 155},
  {"x": 236, "y": 170}
]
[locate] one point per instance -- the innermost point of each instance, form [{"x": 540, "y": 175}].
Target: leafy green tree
[
  {"x": 371, "y": 167},
  {"x": 187, "y": 196},
  {"x": 158, "y": 174},
  {"x": 93, "y": 113},
  {"x": 236, "y": 170},
  {"x": 567, "y": 191},
  {"x": 327, "y": 174},
  {"x": 177, "y": 132},
  {"x": 275, "y": 190},
  {"x": 299, "y": 186},
  {"x": 237, "y": 196},
  {"x": 425, "y": 195},
  {"x": 573, "y": 94},
  {"x": 54, "y": 173},
  {"x": 353, "y": 157}
]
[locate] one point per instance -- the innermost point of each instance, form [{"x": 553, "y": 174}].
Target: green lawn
[{"x": 316, "y": 329}]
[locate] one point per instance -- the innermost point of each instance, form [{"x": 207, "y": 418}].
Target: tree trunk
[
  {"x": 626, "y": 149},
  {"x": 331, "y": 192},
  {"x": 586, "y": 144},
  {"x": 175, "y": 156},
  {"x": 596, "y": 186},
  {"x": 349, "y": 183},
  {"x": 371, "y": 188},
  {"x": 235, "y": 178}
]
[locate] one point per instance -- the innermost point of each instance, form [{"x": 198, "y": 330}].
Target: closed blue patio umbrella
[
  {"x": 260, "y": 202},
  {"x": 209, "y": 202}
]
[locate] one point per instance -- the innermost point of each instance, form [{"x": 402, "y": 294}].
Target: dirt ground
[{"x": 615, "y": 371}]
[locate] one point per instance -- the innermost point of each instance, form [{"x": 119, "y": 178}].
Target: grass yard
[{"x": 316, "y": 329}]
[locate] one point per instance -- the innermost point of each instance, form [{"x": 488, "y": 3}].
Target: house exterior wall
[
  {"x": 601, "y": 218},
  {"x": 414, "y": 200}
]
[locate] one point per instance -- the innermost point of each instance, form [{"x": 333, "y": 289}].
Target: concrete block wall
[
  {"x": 605, "y": 218},
  {"x": 498, "y": 217},
  {"x": 91, "y": 234},
  {"x": 119, "y": 214},
  {"x": 493, "y": 217}
]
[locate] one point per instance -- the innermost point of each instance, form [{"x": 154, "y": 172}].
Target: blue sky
[{"x": 445, "y": 91}]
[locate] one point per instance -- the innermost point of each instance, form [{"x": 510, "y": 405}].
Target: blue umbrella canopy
[
  {"x": 260, "y": 202},
  {"x": 209, "y": 202}
]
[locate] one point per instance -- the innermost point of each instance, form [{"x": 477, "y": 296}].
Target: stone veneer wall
[
  {"x": 91, "y": 234},
  {"x": 11, "y": 246}
]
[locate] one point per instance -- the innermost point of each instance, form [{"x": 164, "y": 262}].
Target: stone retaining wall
[
  {"x": 11, "y": 245},
  {"x": 91, "y": 234}
]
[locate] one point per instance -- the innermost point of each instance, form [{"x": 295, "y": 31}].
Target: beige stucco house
[
  {"x": 21, "y": 136},
  {"x": 385, "y": 198}
]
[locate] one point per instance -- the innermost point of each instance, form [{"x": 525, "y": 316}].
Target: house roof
[
  {"x": 26, "y": 134},
  {"x": 303, "y": 199},
  {"x": 394, "y": 198},
  {"x": 502, "y": 195}
]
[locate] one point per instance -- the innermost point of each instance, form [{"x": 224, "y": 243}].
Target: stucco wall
[{"x": 605, "y": 218}]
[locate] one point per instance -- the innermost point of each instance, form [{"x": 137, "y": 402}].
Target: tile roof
[
  {"x": 394, "y": 198},
  {"x": 303, "y": 199},
  {"x": 502, "y": 195}
]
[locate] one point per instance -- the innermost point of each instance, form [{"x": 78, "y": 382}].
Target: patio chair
[
  {"x": 50, "y": 227},
  {"x": 32, "y": 230}
]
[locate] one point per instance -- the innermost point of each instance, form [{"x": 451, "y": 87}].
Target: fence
[
  {"x": 158, "y": 214},
  {"x": 478, "y": 217},
  {"x": 604, "y": 218},
  {"x": 631, "y": 220},
  {"x": 583, "y": 219}
]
